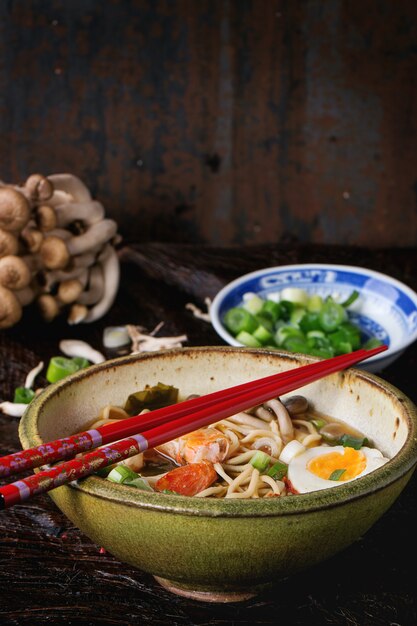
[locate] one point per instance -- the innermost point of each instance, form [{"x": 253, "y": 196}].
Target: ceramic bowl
[
  {"x": 225, "y": 550},
  {"x": 386, "y": 308}
]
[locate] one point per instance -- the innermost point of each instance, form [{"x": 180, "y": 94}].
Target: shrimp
[
  {"x": 206, "y": 444},
  {"x": 187, "y": 480}
]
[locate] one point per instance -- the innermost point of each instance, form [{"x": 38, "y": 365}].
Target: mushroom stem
[
  {"x": 76, "y": 347},
  {"x": 71, "y": 185},
  {"x": 95, "y": 287},
  {"x": 88, "y": 212},
  {"x": 111, "y": 273},
  {"x": 14, "y": 409},
  {"x": 98, "y": 233},
  {"x": 284, "y": 420},
  {"x": 30, "y": 378}
]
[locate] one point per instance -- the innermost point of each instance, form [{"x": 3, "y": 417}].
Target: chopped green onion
[
  {"x": 319, "y": 423},
  {"x": 254, "y": 305},
  {"x": 271, "y": 309},
  {"x": 314, "y": 303},
  {"x": 262, "y": 334},
  {"x": 337, "y": 474},
  {"x": 298, "y": 322},
  {"x": 121, "y": 474},
  {"x": 238, "y": 319},
  {"x": 23, "y": 395},
  {"x": 248, "y": 340},
  {"x": 348, "y": 441},
  {"x": 81, "y": 362},
  {"x": 260, "y": 460},
  {"x": 278, "y": 470},
  {"x": 139, "y": 483},
  {"x": 59, "y": 367},
  {"x": 331, "y": 315}
]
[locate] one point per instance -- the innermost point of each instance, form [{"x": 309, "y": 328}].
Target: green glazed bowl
[{"x": 226, "y": 550}]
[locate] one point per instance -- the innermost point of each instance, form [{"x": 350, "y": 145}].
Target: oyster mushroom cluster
[{"x": 57, "y": 249}]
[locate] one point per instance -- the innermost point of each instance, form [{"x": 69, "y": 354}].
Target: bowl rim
[
  {"x": 404, "y": 462},
  {"x": 355, "y": 269}
]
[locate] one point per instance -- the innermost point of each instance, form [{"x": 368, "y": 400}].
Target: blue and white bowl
[{"x": 386, "y": 308}]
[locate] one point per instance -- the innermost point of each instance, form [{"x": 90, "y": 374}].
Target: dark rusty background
[{"x": 220, "y": 121}]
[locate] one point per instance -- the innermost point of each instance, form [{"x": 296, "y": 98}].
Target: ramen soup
[{"x": 280, "y": 448}]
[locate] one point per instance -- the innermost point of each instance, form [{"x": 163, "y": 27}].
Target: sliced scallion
[
  {"x": 348, "y": 441},
  {"x": 336, "y": 474},
  {"x": 23, "y": 395},
  {"x": 122, "y": 474},
  {"x": 260, "y": 460},
  {"x": 278, "y": 470}
]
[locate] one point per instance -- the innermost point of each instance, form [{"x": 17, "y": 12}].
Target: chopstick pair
[{"x": 159, "y": 426}]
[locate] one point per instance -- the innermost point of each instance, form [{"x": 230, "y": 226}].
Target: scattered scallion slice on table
[
  {"x": 59, "y": 367},
  {"x": 23, "y": 395}
]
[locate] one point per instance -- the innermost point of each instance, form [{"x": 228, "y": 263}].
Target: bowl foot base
[{"x": 205, "y": 596}]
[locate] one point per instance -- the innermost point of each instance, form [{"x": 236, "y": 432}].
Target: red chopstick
[{"x": 190, "y": 415}]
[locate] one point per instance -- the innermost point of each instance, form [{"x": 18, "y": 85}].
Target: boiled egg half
[{"x": 311, "y": 470}]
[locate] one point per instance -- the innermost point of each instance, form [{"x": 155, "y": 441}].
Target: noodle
[{"x": 267, "y": 428}]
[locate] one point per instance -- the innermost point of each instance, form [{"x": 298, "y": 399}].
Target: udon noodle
[{"x": 279, "y": 429}]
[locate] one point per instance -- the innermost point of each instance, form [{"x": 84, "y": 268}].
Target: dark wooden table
[{"x": 52, "y": 574}]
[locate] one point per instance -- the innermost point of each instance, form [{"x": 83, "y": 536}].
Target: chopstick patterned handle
[
  {"x": 77, "y": 468},
  {"x": 60, "y": 449}
]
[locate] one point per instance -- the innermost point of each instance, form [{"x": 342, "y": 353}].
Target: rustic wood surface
[
  {"x": 50, "y": 573},
  {"x": 219, "y": 121}
]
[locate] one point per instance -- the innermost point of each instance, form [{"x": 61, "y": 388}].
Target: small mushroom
[
  {"x": 296, "y": 405},
  {"x": 8, "y": 243},
  {"x": 14, "y": 209},
  {"x": 14, "y": 273},
  {"x": 10, "y": 308},
  {"x": 38, "y": 187},
  {"x": 77, "y": 314},
  {"x": 56, "y": 252},
  {"x": 71, "y": 185},
  {"x": 70, "y": 290},
  {"x": 32, "y": 238},
  {"x": 49, "y": 306},
  {"x": 45, "y": 218}
]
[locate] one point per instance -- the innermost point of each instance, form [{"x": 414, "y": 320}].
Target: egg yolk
[{"x": 352, "y": 461}]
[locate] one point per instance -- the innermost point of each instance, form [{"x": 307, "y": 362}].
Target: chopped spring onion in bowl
[
  {"x": 297, "y": 323},
  {"x": 319, "y": 309}
]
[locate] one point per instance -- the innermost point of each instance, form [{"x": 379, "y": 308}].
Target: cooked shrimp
[
  {"x": 187, "y": 480},
  {"x": 206, "y": 444}
]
